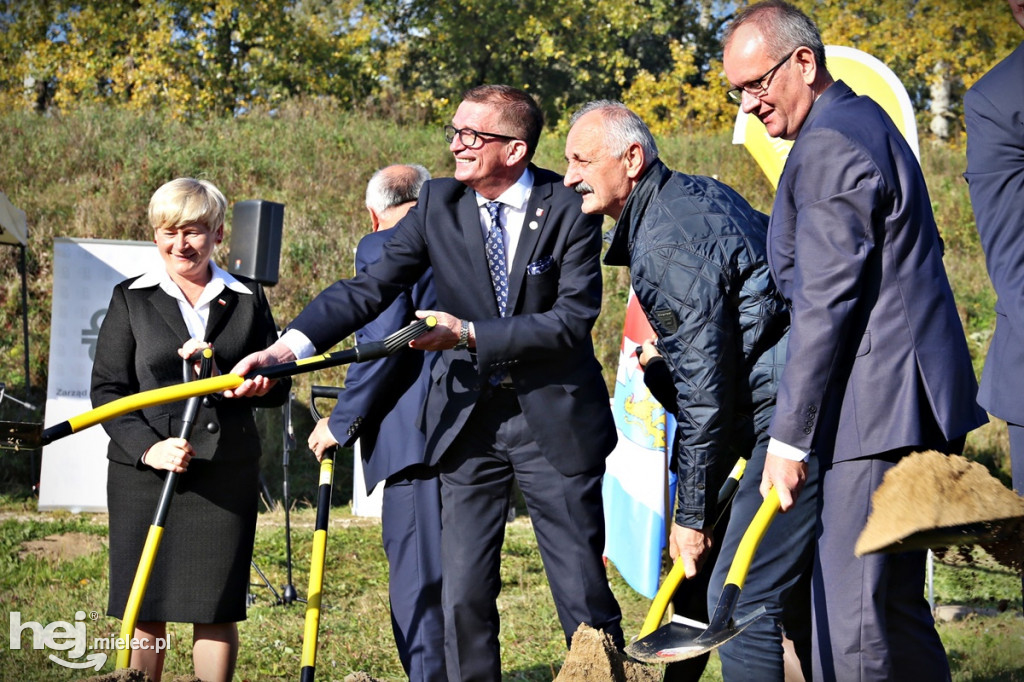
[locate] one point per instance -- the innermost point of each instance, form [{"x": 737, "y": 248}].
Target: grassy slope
[{"x": 90, "y": 174}]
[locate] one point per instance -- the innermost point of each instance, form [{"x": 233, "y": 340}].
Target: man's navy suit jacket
[
  {"x": 544, "y": 344},
  {"x": 876, "y": 344},
  {"x": 383, "y": 399},
  {"x": 994, "y": 114}
]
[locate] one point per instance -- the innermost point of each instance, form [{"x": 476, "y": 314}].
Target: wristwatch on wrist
[{"x": 463, "y": 336}]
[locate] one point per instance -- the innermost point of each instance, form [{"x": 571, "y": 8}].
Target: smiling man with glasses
[
  {"x": 468, "y": 136},
  {"x": 877, "y": 365},
  {"x": 517, "y": 394}
]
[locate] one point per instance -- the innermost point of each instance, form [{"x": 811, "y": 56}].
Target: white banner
[{"x": 74, "y": 469}]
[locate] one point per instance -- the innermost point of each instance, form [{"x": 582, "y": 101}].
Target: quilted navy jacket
[{"x": 697, "y": 256}]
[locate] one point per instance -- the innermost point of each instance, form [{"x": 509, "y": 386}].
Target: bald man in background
[{"x": 381, "y": 407}]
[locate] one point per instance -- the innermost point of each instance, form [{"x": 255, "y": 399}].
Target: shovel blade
[
  {"x": 981, "y": 532},
  {"x": 20, "y": 436},
  {"x": 680, "y": 640}
]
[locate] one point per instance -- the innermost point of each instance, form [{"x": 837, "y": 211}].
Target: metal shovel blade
[
  {"x": 681, "y": 639},
  {"x": 20, "y": 435},
  {"x": 678, "y": 641}
]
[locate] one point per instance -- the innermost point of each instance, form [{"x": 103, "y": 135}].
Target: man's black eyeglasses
[
  {"x": 468, "y": 136},
  {"x": 757, "y": 87}
]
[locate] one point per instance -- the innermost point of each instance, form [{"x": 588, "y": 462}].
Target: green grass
[{"x": 355, "y": 633}]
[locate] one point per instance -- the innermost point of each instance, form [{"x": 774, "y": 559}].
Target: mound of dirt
[
  {"x": 133, "y": 675},
  {"x": 360, "y": 677},
  {"x": 594, "y": 658},
  {"x": 931, "y": 499},
  {"x": 62, "y": 547},
  {"x": 1009, "y": 549},
  {"x": 122, "y": 675}
]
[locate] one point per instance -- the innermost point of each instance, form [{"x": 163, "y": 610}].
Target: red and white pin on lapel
[
  {"x": 221, "y": 301},
  {"x": 533, "y": 223}
]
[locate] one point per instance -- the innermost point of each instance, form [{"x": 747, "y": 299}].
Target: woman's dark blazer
[{"x": 136, "y": 351}]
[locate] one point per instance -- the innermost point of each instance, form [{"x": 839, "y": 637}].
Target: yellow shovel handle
[
  {"x": 226, "y": 382},
  {"x": 751, "y": 539},
  {"x": 157, "y": 396},
  {"x": 675, "y": 576},
  {"x": 131, "y": 612},
  {"x": 314, "y": 594},
  {"x": 662, "y": 598}
]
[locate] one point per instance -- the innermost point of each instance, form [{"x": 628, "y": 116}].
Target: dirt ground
[
  {"x": 926, "y": 491},
  {"x": 359, "y": 677},
  {"x": 132, "y": 675},
  {"x": 61, "y": 547},
  {"x": 592, "y": 658},
  {"x": 931, "y": 494}
]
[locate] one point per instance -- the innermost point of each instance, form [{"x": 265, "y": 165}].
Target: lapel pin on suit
[{"x": 540, "y": 214}]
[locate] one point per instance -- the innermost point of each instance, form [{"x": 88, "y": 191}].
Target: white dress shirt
[{"x": 196, "y": 317}]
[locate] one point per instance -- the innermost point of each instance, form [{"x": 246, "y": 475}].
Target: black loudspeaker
[{"x": 256, "y": 240}]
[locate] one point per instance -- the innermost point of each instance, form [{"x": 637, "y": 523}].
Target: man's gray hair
[
  {"x": 622, "y": 128},
  {"x": 395, "y": 185},
  {"x": 783, "y": 27}
]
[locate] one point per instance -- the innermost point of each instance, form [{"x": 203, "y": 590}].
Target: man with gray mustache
[{"x": 697, "y": 256}]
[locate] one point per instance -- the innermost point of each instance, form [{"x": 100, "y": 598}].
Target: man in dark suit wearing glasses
[{"x": 517, "y": 394}]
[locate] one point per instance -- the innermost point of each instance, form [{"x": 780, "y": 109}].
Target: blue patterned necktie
[{"x": 496, "y": 257}]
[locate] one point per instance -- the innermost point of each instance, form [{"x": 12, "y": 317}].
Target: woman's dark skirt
[{"x": 201, "y": 572}]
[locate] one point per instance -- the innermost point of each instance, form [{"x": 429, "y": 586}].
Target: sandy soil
[
  {"x": 593, "y": 658},
  {"x": 930, "y": 494},
  {"x": 132, "y": 675},
  {"x": 61, "y": 547}
]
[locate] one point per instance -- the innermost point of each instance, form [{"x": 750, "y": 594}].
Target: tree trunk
[{"x": 941, "y": 91}]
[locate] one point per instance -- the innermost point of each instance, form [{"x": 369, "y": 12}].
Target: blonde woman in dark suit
[{"x": 153, "y": 321}]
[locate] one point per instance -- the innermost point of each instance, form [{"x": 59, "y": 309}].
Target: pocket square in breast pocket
[{"x": 540, "y": 266}]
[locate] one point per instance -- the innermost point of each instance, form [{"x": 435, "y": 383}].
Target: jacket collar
[
  {"x": 837, "y": 90},
  {"x": 537, "y": 212},
  {"x": 620, "y": 237},
  {"x": 221, "y": 292}
]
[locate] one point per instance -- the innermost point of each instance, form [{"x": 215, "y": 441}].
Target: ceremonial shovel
[{"x": 678, "y": 641}]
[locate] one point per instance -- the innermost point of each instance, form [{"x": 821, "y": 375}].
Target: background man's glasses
[
  {"x": 757, "y": 87},
  {"x": 468, "y": 136}
]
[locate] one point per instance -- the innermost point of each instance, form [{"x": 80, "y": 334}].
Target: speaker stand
[{"x": 288, "y": 592}]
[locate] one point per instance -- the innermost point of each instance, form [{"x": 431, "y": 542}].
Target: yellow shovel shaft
[
  {"x": 131, "y": 609},
  {"x": 668, "y": 587},
  {"x": 662, "y": 598},
  {"x": 316, "y": 581},
  {"x": 225, "y": 382},
  {"x": 156, "y": 396},
  {"x": 316, "y": 568},
  {"x": 752, "y": 538}
]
